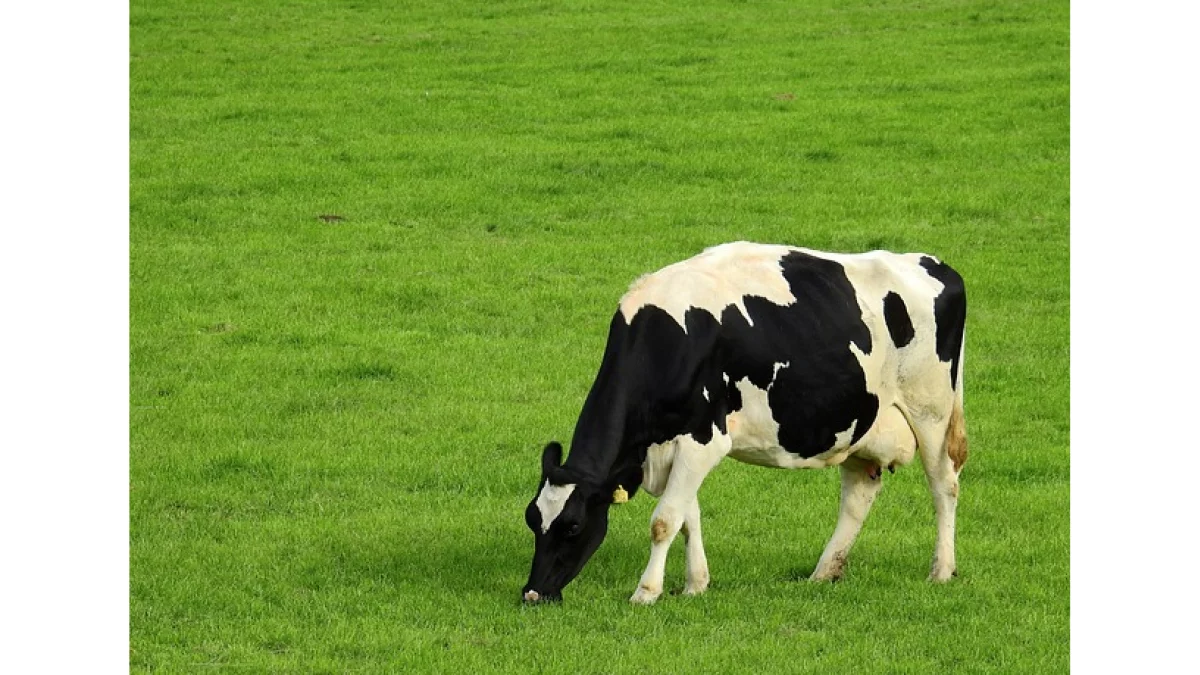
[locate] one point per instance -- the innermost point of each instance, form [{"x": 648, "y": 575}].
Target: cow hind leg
[
  {"x": 692, "y": 463},
  {"x": 943, "y": 449},
  {"x": 860, "y": 485}
]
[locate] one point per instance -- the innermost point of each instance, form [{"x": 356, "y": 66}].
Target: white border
[
  {"x": 1134, "y": 184},
  {"x": 64, "y": 337}
]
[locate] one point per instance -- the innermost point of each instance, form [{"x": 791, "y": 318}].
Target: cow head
[{"x": 569, "y": 518}]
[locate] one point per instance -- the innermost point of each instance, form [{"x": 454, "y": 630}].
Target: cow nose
[{"x": 531, "y": 596}]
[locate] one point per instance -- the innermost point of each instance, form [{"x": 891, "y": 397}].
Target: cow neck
[
  {"x": 598, "y": 440},
  {"x": 601, "y": 444},
  {"x": 600, "y": 433}
]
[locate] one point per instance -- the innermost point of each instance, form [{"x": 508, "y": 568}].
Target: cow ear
[{"x": 551, "y": 458}]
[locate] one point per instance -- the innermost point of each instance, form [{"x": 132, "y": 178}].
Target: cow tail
[{"x": 956, "y": 431}]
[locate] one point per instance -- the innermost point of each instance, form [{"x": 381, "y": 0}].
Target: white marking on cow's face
[
  {"x": 551, "y": 500},
  {"x": 717, "y": 278},
  {"x": 704, "y": 390}
]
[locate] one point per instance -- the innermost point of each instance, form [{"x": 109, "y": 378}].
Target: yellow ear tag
[{"x": 620, "y": 496}]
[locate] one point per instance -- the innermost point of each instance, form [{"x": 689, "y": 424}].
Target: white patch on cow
[
  {"x": 841, "y": 440},
  {"x": 775, "y": 373},
  {"x": 704, "y": 390},
  {"x": 717, "y": 278},
  {"x": 753, "y": 429},
  {"x": 725, "y": 376},
  {"x": 551, "y": 500}
]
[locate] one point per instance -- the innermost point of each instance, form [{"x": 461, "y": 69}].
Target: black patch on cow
[
  {"x": 950, "y": 313},
  {"x": 899, "y": 324},
  {"x": 668, "y": 371},
  {"x": 823, "y": 389}
]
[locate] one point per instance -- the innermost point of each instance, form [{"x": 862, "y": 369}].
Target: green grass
[{"x": 336, "y": 424}]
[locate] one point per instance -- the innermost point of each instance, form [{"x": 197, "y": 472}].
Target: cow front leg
[
  {"x": 693, "y": 461},
  {"x": 697, "y": 562},
  {"x": 861, "y": 481}
]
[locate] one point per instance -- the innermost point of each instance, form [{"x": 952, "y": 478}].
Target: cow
[{"x": 776, "y": 356}]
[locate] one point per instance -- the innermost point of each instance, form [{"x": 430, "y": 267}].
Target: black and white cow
[{"x": 773, "y": 355}]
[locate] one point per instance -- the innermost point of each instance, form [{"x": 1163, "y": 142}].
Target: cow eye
[{"x": 574, "y": 529}]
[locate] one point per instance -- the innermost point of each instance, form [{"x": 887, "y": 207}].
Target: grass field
[{"x": 336, "y": 422}]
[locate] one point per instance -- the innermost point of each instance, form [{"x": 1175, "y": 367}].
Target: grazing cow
[{"x": 773, "y": 355}]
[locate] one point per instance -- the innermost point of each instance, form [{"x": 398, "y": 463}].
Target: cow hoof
[
  {"x": 940, "y": 575},
  {"x": 830, "y": 570},
  {"x": 829, "y": 574},
  {"x": 825, "y": 577},
  {"x": 695, "y": 588},
  {"x": 642, "y": 596}
]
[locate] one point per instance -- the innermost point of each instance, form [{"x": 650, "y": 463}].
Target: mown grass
[{"x": 336, "y": 422}]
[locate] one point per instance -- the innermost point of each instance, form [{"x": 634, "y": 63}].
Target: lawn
[{"x": 374, "y": 251}]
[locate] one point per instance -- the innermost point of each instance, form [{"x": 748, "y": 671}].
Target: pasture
[{"x": 374, "y": 251}]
